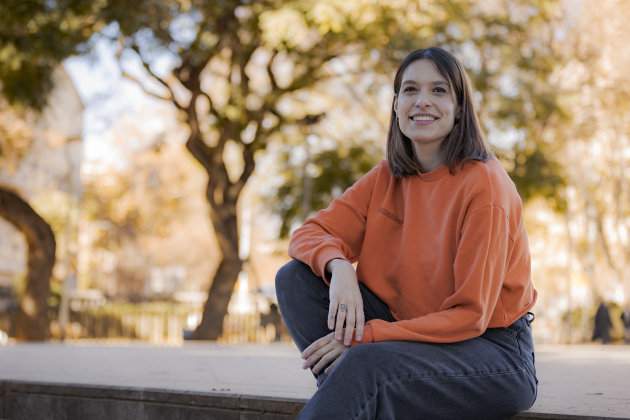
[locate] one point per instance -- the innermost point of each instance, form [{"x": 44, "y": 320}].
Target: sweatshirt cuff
[
  {"x": 322, "y": 258},
  {"x": 368, "y": 336}
]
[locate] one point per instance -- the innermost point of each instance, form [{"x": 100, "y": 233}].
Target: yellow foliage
[{"x": 16, "y": 134}]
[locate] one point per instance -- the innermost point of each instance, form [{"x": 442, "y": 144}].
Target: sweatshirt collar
[{"x": 435, "y": 174}]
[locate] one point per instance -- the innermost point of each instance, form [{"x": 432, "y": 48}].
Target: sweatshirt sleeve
[
  {"x": 479, "y": 270},
  {"x": 336, "y": 232}
]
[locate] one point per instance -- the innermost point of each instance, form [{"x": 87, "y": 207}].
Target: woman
[{"x": 443, "y": 275}]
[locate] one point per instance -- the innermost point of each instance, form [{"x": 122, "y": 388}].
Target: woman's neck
[{"x": 428, "y": 156}]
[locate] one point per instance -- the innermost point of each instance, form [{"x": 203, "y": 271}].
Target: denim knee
[
  {"x": 362, "y": 359},
  {"x": 287, "y": 278}
]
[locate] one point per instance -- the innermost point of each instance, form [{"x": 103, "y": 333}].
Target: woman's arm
[
  {"x": 328, "y": 243},
  {"x": 338, "y": 231}
]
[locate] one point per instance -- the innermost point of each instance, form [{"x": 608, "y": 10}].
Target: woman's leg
[
  {"x": 303, "y": 298},
  {"x": 303, "y": 303},
  {"x": 488, "y": 377}
]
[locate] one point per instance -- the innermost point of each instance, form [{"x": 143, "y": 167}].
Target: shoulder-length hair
[{"x": 464, "y": 143}]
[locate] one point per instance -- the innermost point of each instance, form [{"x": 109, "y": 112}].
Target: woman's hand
[
  {"x": 346, "y": 303},
  {"x": 324, "y": 351}
]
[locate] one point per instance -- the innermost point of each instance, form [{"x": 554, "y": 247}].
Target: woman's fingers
[
  {"x": 324, "y": 361},
  {"x": 341, "y": 317},
  {"x": 313, "y": 359},
  {"x": 322, "y": 353},
  {"x": 360, "y": 323},
  {"x": 350, "y": 325},
  {"x": 332, "y": 310},
  {"x": 316, "y": 346}
]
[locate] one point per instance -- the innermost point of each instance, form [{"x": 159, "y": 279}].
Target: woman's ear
[{"x": 395, "y": 103}]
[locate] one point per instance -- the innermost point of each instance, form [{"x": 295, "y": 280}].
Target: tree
[
  {"x": 35, "y": 36},
  {"x": 239, "y": 64},
  {"x": 595, "y": 85},
  {"x": 149, "y": 209},
  {"x": 16, "y": 134}
]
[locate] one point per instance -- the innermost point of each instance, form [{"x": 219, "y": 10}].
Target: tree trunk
[
  {"x": 32, "y": 321},
  {"x": 223, "y": 218}
]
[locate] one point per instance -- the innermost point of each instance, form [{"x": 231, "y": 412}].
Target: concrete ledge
[
  {"x": 541, "y": 416},
  {"x": 21, "y": 400},
  {"x": 210, "y": 381}
]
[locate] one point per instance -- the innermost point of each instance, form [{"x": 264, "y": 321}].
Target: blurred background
[{"x": 155, "y": 156}]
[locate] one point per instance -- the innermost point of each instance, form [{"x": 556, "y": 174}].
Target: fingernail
[
  {"x": 347, "y": 342},
  {"x": 330, "y": 326},
  {"x": 339, "y": 337},
  {"x": 303, "y": 365},
  {"x": 359, "y": 337}
]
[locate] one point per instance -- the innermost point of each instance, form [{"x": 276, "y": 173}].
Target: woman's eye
[
  {"x": 409, "y": 89},
  {"x": 440, "y": 90}
]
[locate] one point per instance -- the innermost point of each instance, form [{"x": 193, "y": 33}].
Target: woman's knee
[
  {"x": 361, "y": 358},
  {"x": 287, "y": 278}
]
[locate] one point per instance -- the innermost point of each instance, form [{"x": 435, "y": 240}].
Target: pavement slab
[{"x": 575, "y": 382}]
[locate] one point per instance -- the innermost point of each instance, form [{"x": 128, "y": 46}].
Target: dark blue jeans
[{"x": 487, "y": 377}]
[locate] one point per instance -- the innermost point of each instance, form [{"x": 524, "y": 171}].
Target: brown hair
[{"x": 465, "y": 142}]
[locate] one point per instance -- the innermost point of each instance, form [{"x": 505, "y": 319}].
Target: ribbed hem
[
  {"x": 435, "y": 174},
  {"x": 323, "y": 256},
  {"x": 368, "y": 336}
]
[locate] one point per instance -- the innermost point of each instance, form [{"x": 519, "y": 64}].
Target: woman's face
[{"x": 425, "y": 104}]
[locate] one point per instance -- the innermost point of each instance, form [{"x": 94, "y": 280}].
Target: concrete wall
[{"x": 40, "y": 401}]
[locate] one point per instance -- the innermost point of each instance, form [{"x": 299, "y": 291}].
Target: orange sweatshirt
[{"x": 448, "y": 254}]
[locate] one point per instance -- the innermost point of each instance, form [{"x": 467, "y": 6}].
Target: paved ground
[
  {"x": 578, "y": 380},
  {"x": 583, "y": 379}
]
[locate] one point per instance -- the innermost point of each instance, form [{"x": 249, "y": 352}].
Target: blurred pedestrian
[
  {"x": 625, "y": 318},
  {"x": 602, "y": 324},
  {"x": 273, "y": 318}
]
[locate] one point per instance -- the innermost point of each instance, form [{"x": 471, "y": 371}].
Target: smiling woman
[{"x": 434, "y": 322}]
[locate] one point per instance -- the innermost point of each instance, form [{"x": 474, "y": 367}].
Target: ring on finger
[{"x": 342, "y": 307}]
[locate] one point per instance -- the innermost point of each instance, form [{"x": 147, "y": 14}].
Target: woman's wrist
[{"x": 337, "y": 264}]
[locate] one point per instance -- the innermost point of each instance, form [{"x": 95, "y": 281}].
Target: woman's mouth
[{"x": 423, "y": 120}]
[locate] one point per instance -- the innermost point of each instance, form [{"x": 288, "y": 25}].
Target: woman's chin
[{"x": 422, "y": 140}]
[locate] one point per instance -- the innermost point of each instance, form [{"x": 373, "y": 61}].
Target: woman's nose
[{"x": 423, "y": 100}]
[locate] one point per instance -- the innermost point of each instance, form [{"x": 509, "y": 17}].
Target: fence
[{"x": 161, "y": 323}]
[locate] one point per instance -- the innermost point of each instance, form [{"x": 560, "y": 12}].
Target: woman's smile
[{"x": 423, "y": 119}]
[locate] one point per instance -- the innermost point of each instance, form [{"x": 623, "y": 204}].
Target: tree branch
[
  {"x": 133, "y": 79},
  {"x": 213, "y": 111},
  {"x": 234, "y": 189},
  {"x": 302, "y": 81},
  {"x": 272, "y": 78},
  {"x": 199, "y": 150},
  {"x": 148, "y": 69}
]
